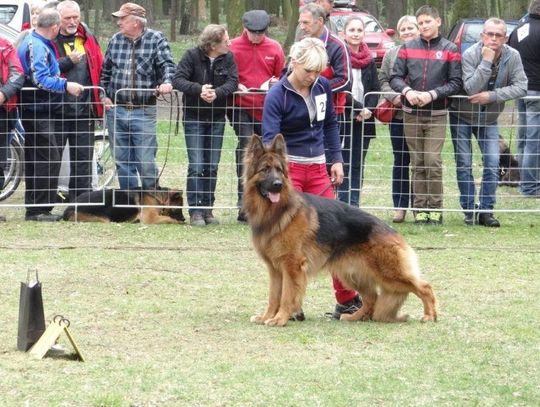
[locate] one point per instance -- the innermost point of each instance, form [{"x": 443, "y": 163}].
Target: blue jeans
[
  {"x": 203, "y": 143},
  {"x": 132, "y": 134},
  {"x": 401, "y": 185},
  {"x": 530, "y": 163},
  {"x": 488, "y": 141}
]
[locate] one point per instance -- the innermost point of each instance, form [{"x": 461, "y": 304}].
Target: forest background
[{"x": 178, "y": 18}]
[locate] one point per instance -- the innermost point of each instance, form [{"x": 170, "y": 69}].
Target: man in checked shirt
[{"x": 136, "y": 58}]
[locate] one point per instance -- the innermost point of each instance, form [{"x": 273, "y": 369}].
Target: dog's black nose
[{"x": 277, "y": 184}]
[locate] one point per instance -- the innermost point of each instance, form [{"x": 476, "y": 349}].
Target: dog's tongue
[{"x": 274, "y": 197}]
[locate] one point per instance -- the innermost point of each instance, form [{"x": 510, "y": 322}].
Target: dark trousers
[
  {"x": 42, "y": 162},
  {"x": 4, "y": 143},
  {"x": 401, "y": 185},
  {"x": 354, "y": 151},
  {"x": 244, "y": 126},
  {"x": 80, "y": 134}
]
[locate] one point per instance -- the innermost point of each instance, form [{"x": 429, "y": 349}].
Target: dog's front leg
[
  {"x": 294, "y": 271},
  {"x": 274, "y": 296}
]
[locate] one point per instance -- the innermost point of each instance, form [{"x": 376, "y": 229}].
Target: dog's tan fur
[
  {"x": 294, "y": 242},
  {"x": 154, "y": 207}
]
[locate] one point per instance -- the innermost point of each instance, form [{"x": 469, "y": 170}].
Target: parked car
[
  {"x": 15, "y": 13},
  {"x": 376, "y": 37},
  {"x": 8, "y": 32},
  {"x": 466, "y": 31}
]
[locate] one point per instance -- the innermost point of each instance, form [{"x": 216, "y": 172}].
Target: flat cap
[
  {"x": 130, "y": 9},
  {"x": 256, "y": 20}
]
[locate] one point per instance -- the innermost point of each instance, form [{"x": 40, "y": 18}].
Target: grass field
[{"x": 161, "y": 314}]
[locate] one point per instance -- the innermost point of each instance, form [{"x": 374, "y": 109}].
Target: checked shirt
[{"x": 144, "y": 63}]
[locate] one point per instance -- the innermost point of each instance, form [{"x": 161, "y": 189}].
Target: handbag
[
  {"x": 31, "y": 314},
  {"x": 385, "y": 111}
]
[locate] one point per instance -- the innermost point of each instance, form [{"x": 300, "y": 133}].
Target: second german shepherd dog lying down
[
  {"x": 127, "y": 206},
  {"x": 299, "y": 234}
]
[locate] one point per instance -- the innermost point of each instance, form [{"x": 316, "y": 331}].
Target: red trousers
[{"x": 313, "y": 178}]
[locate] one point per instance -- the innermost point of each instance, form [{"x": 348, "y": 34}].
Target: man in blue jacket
[{"x": 40, "y": 109}]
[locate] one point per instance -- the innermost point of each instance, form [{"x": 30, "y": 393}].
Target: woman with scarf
[{"x": 364, "y": 81}]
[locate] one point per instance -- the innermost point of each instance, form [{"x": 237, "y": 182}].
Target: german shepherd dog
[
  {"x": 298, "y": 234},
  {"x": 126, "y": 206}
]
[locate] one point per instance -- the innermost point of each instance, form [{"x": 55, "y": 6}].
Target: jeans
[
  {"x": 522, "y": 129},
  {"x": 401, "y": 185},
  {"x": 488, "y": 141},
  {"x": 134, "y": 143},
  {"x": 203, "y": 143},
  {"x": 354, "y": 157},
  {"x": 530, "y": 164},
  {"x": 244, "y": 126}
]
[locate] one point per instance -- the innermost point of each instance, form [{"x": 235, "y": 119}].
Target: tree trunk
[
  {"x": 293, "y": 22},
  {"x": 173, "y": 15},
  {"x": 235, "y": 10},
  {"x": 214, "y": 11},
  {"x": 393, "y": 12}
]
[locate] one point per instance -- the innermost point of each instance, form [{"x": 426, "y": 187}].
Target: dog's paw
[
  {"x": 276, "y": 321},
  {"x": 257, "y": 319},
  {"x": 428, "y": 318}
]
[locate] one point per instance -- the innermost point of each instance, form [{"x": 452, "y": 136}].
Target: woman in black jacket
[
  {"x": 206, "y": 75},
  {"x": 364, "y": 81}
]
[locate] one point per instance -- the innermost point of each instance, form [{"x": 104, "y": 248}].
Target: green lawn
[{"x": 162, "y": 316}]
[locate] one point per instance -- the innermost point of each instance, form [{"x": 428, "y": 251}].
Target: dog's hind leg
[
  {"x": 365, "y": 313},
  {"x": 274, "y": 297},
  {"x": 424, "y": 291},
  {"x": 388, "y": 305}
]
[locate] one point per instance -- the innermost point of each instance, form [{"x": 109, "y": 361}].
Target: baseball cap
[{"x": 130, "y": 9}]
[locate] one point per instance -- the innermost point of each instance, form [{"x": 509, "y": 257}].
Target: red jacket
[
  {"x": 256, "y": 64},
  {"x": 12, "y": 74}
]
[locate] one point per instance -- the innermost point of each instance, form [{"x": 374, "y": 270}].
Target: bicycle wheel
[
  {"x": 103, "y": 166},
  {"x": 13, "y": 169}
]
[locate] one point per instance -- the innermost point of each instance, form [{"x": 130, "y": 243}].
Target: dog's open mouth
[{"x": 273, "y": 196}]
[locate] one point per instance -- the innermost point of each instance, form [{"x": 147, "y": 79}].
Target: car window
[
  {"x": 472, "y": 32},
  {"x": 7, "y": 11}
]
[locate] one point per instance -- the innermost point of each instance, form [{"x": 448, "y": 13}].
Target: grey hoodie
[{"x": 511, "y": 83}]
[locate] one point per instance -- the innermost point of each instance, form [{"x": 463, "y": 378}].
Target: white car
[{"x": 15, "y": 13}]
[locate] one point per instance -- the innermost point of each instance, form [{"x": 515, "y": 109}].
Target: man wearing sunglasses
[{"x": 492, "y": 74}]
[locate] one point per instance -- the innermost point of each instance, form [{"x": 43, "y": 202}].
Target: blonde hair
[
  {"x": 406, "y": 19},
  {"x": 311, "y": 53}
]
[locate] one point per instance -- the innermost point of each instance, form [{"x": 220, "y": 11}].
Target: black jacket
[
  {"x": 433, "y": 65},
  {"x": 370, "y": 81},
  {"x": 195, "y": 70},
  {"x": 529, "y": 49}
]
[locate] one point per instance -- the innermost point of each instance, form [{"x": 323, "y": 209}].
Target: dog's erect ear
[
  {"x": 278, "y": 145},
  {"x": 255, "y": 146}
]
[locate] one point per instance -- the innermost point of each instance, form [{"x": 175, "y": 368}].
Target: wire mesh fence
[{"x": 153, "y": 145}]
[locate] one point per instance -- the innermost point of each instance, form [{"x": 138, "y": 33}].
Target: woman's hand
[{"x": 337, "y": 174}]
